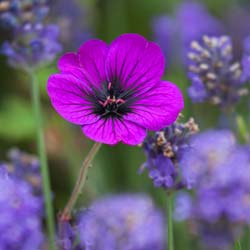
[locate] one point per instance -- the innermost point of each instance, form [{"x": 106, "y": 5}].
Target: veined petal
[
  {"x": 158, "y": 107},
  {"x": 68, "y": 96},
  {"x": 102, "y": 131},
  {"x": 134, "y": 62},
  {"x": 129, "y": 132},
  {"x": 92, "y": 56},
  {"x": 111, "y": 131},
  {"x": 69, "y": 63}
]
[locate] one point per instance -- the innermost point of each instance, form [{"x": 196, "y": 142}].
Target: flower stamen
[
  {"x": 109, "y": 85},
  {"x": 112, "y": 100}
]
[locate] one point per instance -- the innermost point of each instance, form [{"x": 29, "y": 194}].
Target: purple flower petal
[
  {"x": 69, "y": 63},
  {"x": 158, "y": 107},
  {"x": 92, "y": 56},
  {"x": 169, "y": 181},
  {"x": 111, "y": 131},
  {"x": 125, "y": 222},
  {"x": 136, "y": 62},
  {"x": 153, "y": 173},
  {"x": 67, "y": 94},
  {"x": 158, "y": 182}
]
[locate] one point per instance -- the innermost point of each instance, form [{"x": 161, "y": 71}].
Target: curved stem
[
  {"x": 66, "y": 214},
  {"x": 50, "y": 222},
  {"x": 170, "y": 220}
]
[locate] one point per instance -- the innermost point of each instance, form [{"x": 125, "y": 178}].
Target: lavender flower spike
[
  {"x": 164, "y": 151},
  {"x": 20, "y": 222},
  {"x": 16, "y": 13},
  {"x": 190, "y": 21},
  {"x": 33, "y": 45},
  {"x": 215, "y": 78},
  {"x": 124, "y": 222},
  {"x": 26, "y": 167},
  {"x": 115, "y": 93}
]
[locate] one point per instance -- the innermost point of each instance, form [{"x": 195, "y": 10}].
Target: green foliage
[{"x": 16, "y": 119}]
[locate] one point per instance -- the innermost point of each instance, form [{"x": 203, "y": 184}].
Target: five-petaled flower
[{"x": 115, "y": 92}]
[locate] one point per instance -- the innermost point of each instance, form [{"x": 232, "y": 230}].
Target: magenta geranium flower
[{"x": 115, "y": 93}]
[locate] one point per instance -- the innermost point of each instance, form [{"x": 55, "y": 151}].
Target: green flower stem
[
  {"x": 66, "y": 214},
  {"x": 170, "y": 220},
  {"x": 242, "y": 129},
  {"x": 50, "y": 222},
  {"x": 247, "y": 237},
  {"x": 237, "y": 245}
]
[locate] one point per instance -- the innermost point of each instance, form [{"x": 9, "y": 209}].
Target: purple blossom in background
[
  {"x": 16, "y": 13},
  {"x": 190, "y": 22},
  {"x": 183, "y": 206},
  {"x": 226, "y": 201},
  {"x": 214, "y": 234},
  {"x": 68, "y": 237},
  {"x": 115, "y": 93},
  {"x": 218, "y": 236},
  {"x": 237, "y": 30},
  {"x": 164, "y": 150},
  {"x": 211, "y": 65},
  {"x": 20, "y": 223},
  {"x": 207, "y": 151},
  {"x": 218, "y": 169},
  {"x": 164, "y": 32},
  {"x": 66, "y": 14},
  {"x": 122, "y": 222},
  {"x": 33, "y": 45},
  {"x": 26, "y": 167}
]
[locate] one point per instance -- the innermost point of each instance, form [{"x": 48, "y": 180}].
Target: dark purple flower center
[{"x": 112, "y": 101}]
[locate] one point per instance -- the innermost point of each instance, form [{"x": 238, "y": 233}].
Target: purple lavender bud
[
  {"x": 128, "y": 222},
  {"x": 197, "y": 91},
  {"x": 15, "y": 13},
  {"x": 190, "y": 22},
  {"x": 68, "y": 237},
  {"x": 33, "y": 45},
  {"x": 26, "y": 167},
  {"x": 210, "y": 65},
  {"x": 20, "y": 223},
  {"x": 164, "y": 150}
]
